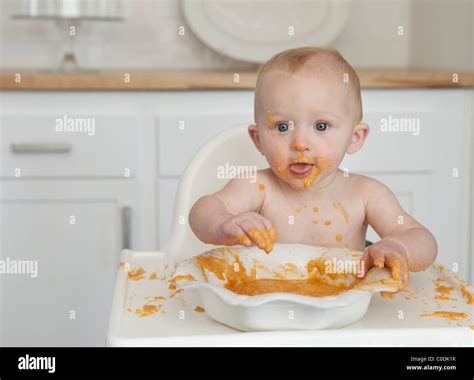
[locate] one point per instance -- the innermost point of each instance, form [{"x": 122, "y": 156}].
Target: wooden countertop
[{"x": 212, "y": 80}]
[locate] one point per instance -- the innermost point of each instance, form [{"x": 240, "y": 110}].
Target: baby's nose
[{"x": 300, "y": 147}]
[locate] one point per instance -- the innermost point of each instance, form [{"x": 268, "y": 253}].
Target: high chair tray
[{"x": 434, "y": 310}]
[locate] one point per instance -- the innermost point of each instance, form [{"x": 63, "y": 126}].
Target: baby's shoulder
[
  {"x": 257, "y": 180},
  {"x": 364, "y": 186}
]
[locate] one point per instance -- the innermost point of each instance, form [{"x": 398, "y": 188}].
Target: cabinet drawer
[
  {"x": 68, "y": 146},
  {"x": 411, "y": 131}
]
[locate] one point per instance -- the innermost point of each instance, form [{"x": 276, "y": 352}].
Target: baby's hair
[{"x": 313, "y": 60}]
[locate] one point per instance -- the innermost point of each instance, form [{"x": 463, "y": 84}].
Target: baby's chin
[{"x": 294, "y": 183}]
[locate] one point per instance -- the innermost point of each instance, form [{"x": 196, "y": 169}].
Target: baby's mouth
[{"x": 301, "y": 169}]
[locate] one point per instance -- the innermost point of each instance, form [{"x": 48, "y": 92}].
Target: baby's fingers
[
  {"x": 366, "y": 262},
  {"x": 378, "y": 258},
  {"x": 244, "y": 239},
  {"x": 263, "y": 238},
  {"x": 399, "y": 269}
]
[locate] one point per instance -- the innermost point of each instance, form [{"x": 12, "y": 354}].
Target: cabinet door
[
  {"x": 76, "y": 246},
  {"x": 418, "y": 147}
]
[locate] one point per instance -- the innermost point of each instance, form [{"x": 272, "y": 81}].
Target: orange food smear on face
[
  {"x": 343, "y": 211},
  {"x": 297, "y": 210},
  {"x": 199, "y": 309},
  {"x": 261, "y": 186},
  {"x": 136, "y": 274},
  {"x": 315, "y": 209},
  {"x": 452, "y": 315},
  {"x": 153, "y": 276},
  {"x": 271, "y": 121},
  {"x": 309, "y": 179},
  {"x": 283, "y": 172},
  {"x": 242, "y": 283},
  {"x": 338, "y": 237},
  {"x": 315, "y": 221},
  {"x": 327, "y": 222},
  {"x": 322, "y": 163}
]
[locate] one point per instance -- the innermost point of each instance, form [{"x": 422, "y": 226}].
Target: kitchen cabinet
[
  {"x": 75, "y": 244},
  {"x": 68, "y": 200},
  {"x": 127, "y": 174}
]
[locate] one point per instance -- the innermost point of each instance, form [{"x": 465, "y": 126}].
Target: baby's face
[{"x": 305, "y": 125}]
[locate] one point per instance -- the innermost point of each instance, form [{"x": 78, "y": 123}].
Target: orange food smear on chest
[{"x": 343, "y": 211}]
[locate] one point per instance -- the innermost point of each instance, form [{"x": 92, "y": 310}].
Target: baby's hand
[
  {"x": 247, "y": 228},
  {"x": 390, "y": 254}
]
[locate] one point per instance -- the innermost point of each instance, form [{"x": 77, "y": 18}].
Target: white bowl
[{"x": 283, "y": 311}]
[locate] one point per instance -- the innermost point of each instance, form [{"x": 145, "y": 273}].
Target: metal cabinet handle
[
  {"x": 25, "y": 148},
  {"x": 126, "y": 226}
]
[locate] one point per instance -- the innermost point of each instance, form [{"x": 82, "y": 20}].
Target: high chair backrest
[{"x": 208, "y": 171}]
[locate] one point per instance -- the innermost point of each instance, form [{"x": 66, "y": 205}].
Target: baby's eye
[
  {"x": 283, "y": 126},
  {"x": 321, "y": 127}
]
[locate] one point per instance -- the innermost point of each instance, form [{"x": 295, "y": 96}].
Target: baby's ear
[
  {"x": 359, "y": 134},
  {"x": 253, "y": 133}
]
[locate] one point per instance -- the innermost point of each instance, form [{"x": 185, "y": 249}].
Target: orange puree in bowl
[{"x": 237, "y": 280}]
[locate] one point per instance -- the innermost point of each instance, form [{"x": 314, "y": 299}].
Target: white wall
[{"x": 438, "y": 34}]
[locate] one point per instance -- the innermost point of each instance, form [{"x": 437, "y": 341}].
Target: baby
[{"x": 308, "y": 115}]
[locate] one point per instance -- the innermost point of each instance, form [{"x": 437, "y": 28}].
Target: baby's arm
[
  {"x": 406, "y": 245},
  {"x": 230, "y": 216}
]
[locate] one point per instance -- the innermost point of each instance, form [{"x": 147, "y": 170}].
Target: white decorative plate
[
  {"x": 282, "y": 311},
  {"x": 255, "y": 30}
]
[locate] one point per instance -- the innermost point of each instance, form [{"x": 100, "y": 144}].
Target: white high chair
[
  {"x": 234, "y": 147},
  {"x": 231, "y": 147}
]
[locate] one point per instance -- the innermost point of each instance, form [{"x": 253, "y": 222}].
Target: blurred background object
[
  {"x": 433, "y": 34},
  {"x": 67, "y": 15}
]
